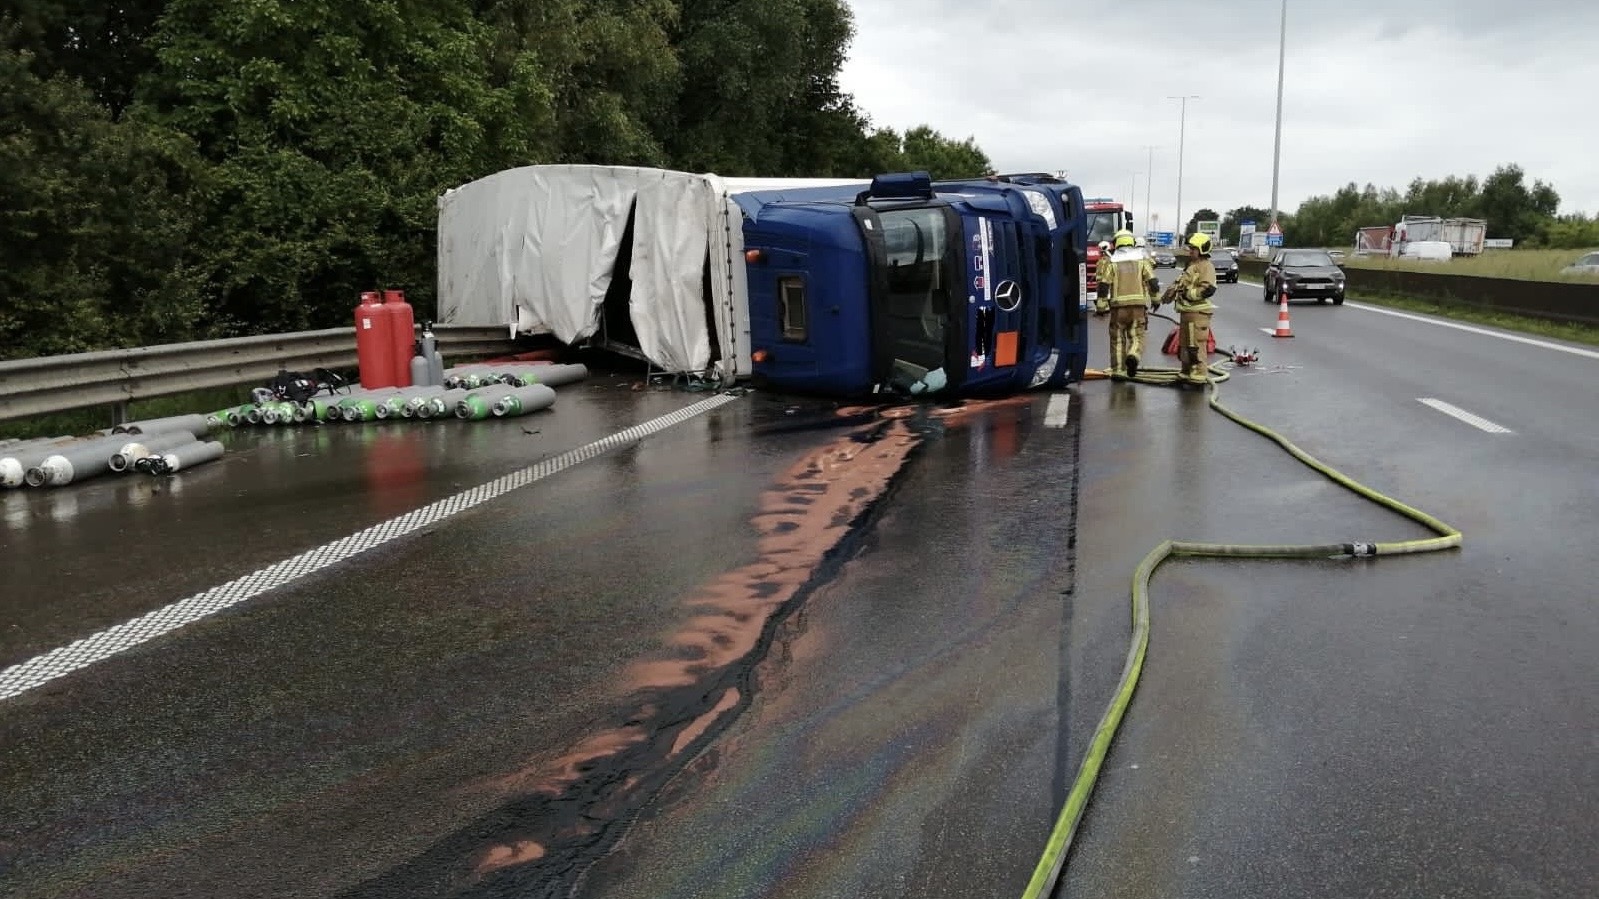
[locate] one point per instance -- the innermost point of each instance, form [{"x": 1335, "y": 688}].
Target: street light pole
[
  {"x": 1277, "y": 147},
  {"x": 1149, "y": 180},
  {"x": 1182, "y": 129}
]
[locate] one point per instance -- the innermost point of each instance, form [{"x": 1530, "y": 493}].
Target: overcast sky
[{"x": 1384, "y": 94}]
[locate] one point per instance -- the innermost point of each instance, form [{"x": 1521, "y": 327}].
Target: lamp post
[
  {"x": 1277, "y": 146},
  {"x": 1182, "y": 129},
  {"x": 1149, "y": 179}
]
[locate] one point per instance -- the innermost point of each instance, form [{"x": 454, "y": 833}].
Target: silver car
[{"x": 1588, "y": 264}]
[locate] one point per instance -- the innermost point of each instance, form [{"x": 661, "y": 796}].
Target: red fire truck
[{"x": 1105, "y": 218}]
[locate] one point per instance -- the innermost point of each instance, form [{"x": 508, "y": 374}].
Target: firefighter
[
  {"x": 1131, "y": 285},
  {"x": 1102, "y": 301},
  {"x": 1191, "y": 293}
]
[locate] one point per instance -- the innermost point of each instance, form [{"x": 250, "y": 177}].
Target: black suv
[
  {"x": 1226, "y": 266},
  {"x": 1305, "y": 275}
]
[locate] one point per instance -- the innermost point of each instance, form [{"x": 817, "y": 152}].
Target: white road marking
[
  {"x": 59, "y": 662},
  {"x": 1475, "y": 421},
  {"x": 1470, "y": 329},
  {"x": 1058, "y": 413},
  {"x": 1514, "y": 338}
]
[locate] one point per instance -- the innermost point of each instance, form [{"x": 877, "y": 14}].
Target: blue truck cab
[{"x": 964, "y": 288}]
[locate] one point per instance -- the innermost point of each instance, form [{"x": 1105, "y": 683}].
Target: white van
[{"x": 1425, "y": 250}]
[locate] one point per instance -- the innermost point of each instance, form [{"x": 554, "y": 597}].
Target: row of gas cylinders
[
  {"x": 470, "y": 393},
  {"x": 158, "y": 446}
]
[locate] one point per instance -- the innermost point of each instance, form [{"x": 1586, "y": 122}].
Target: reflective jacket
[
  {"x": 1131, "y": 272},
  {"x": 1195, "y": 286}
]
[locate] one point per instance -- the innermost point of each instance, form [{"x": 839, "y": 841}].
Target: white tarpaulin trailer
[{"x": 538, "y": 249}]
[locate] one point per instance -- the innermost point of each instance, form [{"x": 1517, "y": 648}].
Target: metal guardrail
[
  {"x": 1556, "y": 301},
  {"x": 116, "y": 377}
]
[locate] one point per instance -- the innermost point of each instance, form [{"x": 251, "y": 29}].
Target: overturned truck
[{"x": 841, "y": 287}]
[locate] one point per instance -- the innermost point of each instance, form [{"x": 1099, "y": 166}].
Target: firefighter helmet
[
  {"x": 1125, "y": 238},
  {"x": 1200, "y": 241}
]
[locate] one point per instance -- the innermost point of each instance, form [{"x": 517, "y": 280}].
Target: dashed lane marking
[
  {"x": 1475, "y": 421},
  {"x": 1059, "y": 411},
  {"x": 64, "y": 660}
]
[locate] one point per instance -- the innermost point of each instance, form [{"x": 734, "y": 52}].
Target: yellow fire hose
[{"x": 1053, "y": 861}]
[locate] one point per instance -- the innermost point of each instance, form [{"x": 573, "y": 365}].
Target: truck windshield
[
  {"x": 919, "y": 273},
  {"x": 1103, "y": 225}
]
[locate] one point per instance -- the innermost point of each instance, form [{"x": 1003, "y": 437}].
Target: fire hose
[{"x": 1051, "y": 864}]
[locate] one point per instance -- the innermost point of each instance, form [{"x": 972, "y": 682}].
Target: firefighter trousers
[
  {"x": 1192, "y": 347},
  {"x": 1128, "y": 324}
]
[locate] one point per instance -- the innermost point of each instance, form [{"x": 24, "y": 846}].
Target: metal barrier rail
[
  {"x": 117, "y": 377},
  {"x": 1556, "y": 301}
]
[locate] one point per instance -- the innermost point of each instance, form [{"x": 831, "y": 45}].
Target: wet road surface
[{"x": 755, "y": 656}]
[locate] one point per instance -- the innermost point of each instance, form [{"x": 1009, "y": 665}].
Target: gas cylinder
[
  {"x": 374, "y": 342},
  {"x": 402, "y": 335},
  {"x": 429, "y": 347}
]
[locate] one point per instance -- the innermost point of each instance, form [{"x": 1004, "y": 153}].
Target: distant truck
[
  {"x": 1416, "y": 234},
  {"x": 842, "y": 287}
]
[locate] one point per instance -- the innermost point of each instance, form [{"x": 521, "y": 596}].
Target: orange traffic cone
[{"x": 1283, "y": 328}]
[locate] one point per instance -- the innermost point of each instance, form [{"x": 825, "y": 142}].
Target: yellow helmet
[
  {"x": 1200, "y": 241},
  {"x": 1125, "y": 238}
]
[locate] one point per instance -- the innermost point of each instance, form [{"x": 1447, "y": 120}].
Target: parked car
[
  {"x": 1165, "y": 259},
  {"x": 1226, "y": 266},
  {"x": 1304, "y": 274},
  {"x": 1336, "y": 254},
  {"x": 1587, "y": 264}
]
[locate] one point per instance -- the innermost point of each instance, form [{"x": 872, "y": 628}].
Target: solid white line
[
  {"x": 1059, "y": 411},
  {"x": 64, "y": 660},
  {"x": 1475, "y": 421},
  {"x": 1513, "y": 338}
]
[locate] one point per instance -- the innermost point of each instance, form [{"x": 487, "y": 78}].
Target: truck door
[
  {"x": 999, "y": 299},
  {"x": 916, "y": 288}
]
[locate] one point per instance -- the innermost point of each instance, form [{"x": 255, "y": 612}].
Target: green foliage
[
  {"x": 94, "y": 222},
  {"x": 187, "y": 168},
  {"x": 943, "y": 157},
  {"x": 1203, "y": 215},
  {"x": 332, "y": 128},
  {"x": 1511, "y": 208},
  {"x": 1231, "y": 221}
]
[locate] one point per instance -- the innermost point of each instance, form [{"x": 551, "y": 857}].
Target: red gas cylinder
[
  {"x": 374, "y": 342},
  {"x": 402, "y": 335}
]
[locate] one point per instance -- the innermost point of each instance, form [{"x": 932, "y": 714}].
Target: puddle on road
[{"x": 558, "y": 815}]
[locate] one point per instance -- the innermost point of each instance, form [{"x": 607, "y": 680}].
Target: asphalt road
[{"x": 784, "y": 649}]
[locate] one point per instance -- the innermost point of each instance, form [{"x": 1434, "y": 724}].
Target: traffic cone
[{"x": 1283, "y": 328}]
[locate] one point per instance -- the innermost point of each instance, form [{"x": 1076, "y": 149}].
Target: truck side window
[{"x": 791, "y": 304}]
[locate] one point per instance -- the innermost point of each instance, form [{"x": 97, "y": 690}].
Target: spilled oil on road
[{"x": 557, "y": 815}]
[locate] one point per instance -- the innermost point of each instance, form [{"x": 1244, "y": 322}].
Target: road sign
[
  {"x": 1498, "y": 243},
  {"x": 1274, "y": 238},
  {"x": 1275, "y": 229}
]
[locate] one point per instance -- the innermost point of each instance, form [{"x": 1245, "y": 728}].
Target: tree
[
  {"x": 1203, "y": 215},
  {"x": 332, "y": 129},
  {"x": 103, "y": 45},
  {"x": 96, "y": 223},
  {"x": 1231, "y": 221},
  {"x": 1514, "y": 210},
  {"x": 943, "y": 157}
]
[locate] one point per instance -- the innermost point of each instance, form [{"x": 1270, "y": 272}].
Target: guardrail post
[{"x": 119, "y": 413}]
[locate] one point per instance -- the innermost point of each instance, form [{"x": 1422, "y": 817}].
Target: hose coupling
[{"x": 1360, "y": 549}]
